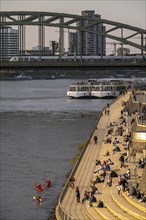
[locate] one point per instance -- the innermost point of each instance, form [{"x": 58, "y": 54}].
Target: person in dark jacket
[
  {"x": 121, "y": 159},
  {"x": 78, "y": 194},
  {"x": 95, "y": 139}
]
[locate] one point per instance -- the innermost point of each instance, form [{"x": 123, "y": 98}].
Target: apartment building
[
  {"x": 85, "y": 43},
  {"x": 9, "y": 43}
]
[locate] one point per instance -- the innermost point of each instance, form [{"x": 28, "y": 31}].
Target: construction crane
[{"x": 114, "y": 44}]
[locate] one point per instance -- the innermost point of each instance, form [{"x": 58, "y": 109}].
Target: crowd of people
[
  {"x": 115, "y": 133},
  {"x": 123, "y": 185}
]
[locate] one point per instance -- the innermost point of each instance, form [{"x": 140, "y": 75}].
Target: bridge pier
[
  {"x": 61, "y": 38},
  {"x": 41, "y": 36},
  {"x": 21, "y": 29}
]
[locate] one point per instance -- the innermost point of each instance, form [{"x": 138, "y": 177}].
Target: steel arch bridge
[{"x": 68, "y": 21}]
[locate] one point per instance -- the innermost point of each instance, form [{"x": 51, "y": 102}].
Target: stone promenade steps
[
  {"x": 86, "y": 167},
  {"x": 126, "y": 206},
  {"x": 99, "y": 213},
  {"x": 111, "y": 205},
  {"x": 140, "y": 206},
  {"x": 105, "y": 214},
  {"x": 91, "y": 212},
  {"x": 96, "y": 213},
  {"x": 85, "y": 174}
]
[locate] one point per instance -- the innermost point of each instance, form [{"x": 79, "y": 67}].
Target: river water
[{"x": 40, "y": 132}]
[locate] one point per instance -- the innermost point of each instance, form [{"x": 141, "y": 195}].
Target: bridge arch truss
[{"x": 69, "y": 21}]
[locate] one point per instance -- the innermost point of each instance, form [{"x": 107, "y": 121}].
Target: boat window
[
  {"x": 121, "y": 88},
  {"x": 72, "y": 88},
  {"x": 97, "y": 88}
]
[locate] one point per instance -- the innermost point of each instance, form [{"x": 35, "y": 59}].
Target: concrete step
[
  {"x": 113, "y": 207},
  {"x": 140, "y": 206},
  {"x": 99, "y": 213},
  {"x": 126, "y": 206},
  {"x": 95, "y": 213},
  {"x": 91, "y": 212},
  {"x": 105, "y": 213}
]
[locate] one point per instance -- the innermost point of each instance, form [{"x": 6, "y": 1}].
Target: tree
[{"x": 123, "y": 51}]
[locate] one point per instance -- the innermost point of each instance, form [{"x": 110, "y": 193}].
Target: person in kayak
[
  {"x": 47, "y": 183},
  {"x": 37, "y": 199},
  {"x": 39, "y": 187}
]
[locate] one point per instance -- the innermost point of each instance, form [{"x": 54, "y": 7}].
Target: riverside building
[{"x": 9, "y": 43}]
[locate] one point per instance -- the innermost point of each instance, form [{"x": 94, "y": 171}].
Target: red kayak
[{"x": 39, "y": 188}]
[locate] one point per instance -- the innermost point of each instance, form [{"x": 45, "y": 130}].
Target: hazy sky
[{"x": 132, "y": 12}]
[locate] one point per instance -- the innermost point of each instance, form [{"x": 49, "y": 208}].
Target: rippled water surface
[{"x": 40, "y": 132}]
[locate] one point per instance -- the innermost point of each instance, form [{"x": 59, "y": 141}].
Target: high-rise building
[
  {"x": 90, "y": 43},
  {"x": 73, "y": 43},
  {"x": 87, "y": 43},
  {"x": 9, "y": 43}
]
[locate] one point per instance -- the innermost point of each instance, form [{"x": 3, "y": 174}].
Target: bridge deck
[{"x": 75, "y": 64}]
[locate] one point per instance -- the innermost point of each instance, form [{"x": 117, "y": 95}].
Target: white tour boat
[
  {"x": 79, "y": 90},
  {"x": 97, "y": 89}
]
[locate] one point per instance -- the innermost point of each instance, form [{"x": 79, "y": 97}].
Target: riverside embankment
[{"x": 67, "y": 207}]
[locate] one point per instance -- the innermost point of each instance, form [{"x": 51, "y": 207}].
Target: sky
[{"x": 131, "y": 12}]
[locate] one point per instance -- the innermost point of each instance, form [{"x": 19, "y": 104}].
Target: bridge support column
[
  {"x": 80, "y": 41},
  {"x": 142, "y": 44},
  {"x": 41, "y": 37},
  {"x": 61, "y": 38},
  {"x": 21, "y": 30},
  {"x": 122, "y": 43}
]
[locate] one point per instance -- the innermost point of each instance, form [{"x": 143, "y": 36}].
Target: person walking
[
  {"x": 78, "y": 194},
  {"x": 108, "y": 111},
  {"x": 121, "y": 159},
  {"x": 95, "y": 139},
  {"x": 72, "y": 180}
]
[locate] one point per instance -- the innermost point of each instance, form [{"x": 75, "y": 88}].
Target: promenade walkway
[{"x": 84, "y": 175}]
